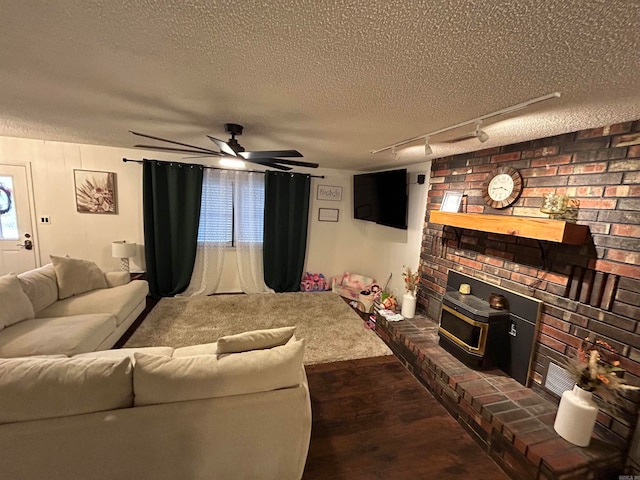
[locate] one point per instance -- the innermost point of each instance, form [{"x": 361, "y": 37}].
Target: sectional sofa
[
  {"x": 67, "y": 307},
  {"x": 235, "y": 409}
]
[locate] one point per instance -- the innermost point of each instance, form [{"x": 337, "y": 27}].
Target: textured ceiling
[{"x": 333, "y": 79}]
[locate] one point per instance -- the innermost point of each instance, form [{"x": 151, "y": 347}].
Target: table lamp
[{"x": 123, "y": 250}]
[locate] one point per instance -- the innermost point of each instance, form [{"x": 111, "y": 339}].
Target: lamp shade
[{"x": 122, "y": 249}]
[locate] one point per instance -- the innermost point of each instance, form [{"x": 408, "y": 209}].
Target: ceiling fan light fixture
[{"x": 232, "y": 163}]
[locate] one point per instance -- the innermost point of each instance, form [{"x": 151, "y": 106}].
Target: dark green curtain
[
  {"x": 171, "y": 202},
  {"x": 286, "y": 211}
]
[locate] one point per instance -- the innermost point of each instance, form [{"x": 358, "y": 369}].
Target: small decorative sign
[
  {"x": 328, "y": 214},
  {"x": 329, "y": 192}
]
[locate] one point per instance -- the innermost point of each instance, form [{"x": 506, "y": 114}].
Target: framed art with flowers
[{"x": 95, "y": 191}]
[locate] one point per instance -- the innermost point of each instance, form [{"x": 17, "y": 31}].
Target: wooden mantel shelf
[{"x": 538, "y": 228}]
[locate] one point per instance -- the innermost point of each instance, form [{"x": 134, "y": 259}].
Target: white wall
[
  {"x": 79, "y": 235},
  {"x": 346, "y": 245}
]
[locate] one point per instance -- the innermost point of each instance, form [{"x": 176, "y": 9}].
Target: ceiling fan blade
[
  {"x": 294, "y": 163},
  {"x": 224, "y": 146},
  {"x": 270, "y": 154},
  {"x": 201, "y": 149},
  {"x": 178, "y": 150},
  {"x": 271, "y": 164}
]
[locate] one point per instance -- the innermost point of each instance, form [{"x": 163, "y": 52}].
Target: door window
[{"x": 8, "y": 217}]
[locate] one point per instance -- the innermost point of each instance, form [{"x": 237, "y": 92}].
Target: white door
[{"x": 17, "y": 253}]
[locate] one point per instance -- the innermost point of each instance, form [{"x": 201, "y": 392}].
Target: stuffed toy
[{"x": 313, "y": 282}]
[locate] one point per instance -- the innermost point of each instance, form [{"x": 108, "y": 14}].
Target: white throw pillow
[
  {"x": 76, "y": 276},
  {"x": 41, "y": 286},
  {"x": 159, "y": 379},
  {"x": 16, "y": 306},
  {"x": 255, "y": 340},
  {"x": 35, "y": 388}
]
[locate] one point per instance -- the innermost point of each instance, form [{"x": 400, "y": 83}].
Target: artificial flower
[
  {"x": 596, "y": 369},
  {"x": 411, "y": 280}
]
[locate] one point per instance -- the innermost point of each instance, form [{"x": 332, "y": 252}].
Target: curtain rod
[{"x": 214, "y": 168}]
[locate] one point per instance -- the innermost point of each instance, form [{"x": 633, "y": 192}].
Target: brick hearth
[{"x": 514, "y": 424}]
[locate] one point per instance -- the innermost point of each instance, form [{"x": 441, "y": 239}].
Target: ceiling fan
[{"x": 268, "y": 158}]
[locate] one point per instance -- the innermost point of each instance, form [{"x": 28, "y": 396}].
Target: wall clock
[{"x": 502, "y": 188}]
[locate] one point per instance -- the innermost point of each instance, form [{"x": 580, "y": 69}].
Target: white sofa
[
  {"x": 67, "y": 307},
  {"x": 235, "y": 409}
]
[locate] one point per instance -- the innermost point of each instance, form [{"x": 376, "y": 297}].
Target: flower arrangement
[
  {"x": 411, "y": 280},
  {"x": 596, "y": 368}
]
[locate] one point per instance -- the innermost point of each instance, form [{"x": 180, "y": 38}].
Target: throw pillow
[
  {"x": 36, "y": 388},
  {"x": 76, "y": 276},
  {"x": 159, "y": 379},
  {"x": 16, "y": 306},
  {"x": 255, "y": 340},
  {"x": 41, "y": 286}
]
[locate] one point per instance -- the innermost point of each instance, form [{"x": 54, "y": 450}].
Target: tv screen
[{"x": 381, "y": 197}]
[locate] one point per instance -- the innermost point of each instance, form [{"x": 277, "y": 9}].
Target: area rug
[{"x": 332, "y": 330}]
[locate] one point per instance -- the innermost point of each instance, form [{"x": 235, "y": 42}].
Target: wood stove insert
[{"x": 472, "y": 331}]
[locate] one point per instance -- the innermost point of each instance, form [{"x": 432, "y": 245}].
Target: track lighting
[
  {"x": 481, "y": 134},
  {"x": 427, "y": 148}
]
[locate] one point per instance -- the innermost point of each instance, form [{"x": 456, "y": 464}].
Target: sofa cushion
[
  {"x": 255, "y": 340},
  {"x": 66, "y": 335},
  {"x": 16, "y": 306},
  {"x": 35, "y": 388},
  {"x": 41, "y": 286},
  {"x": 127, "y": 352},
  {"x": 76, "y": 276},
  {"x": 163, "y": 380},
  {"x": 119, "y": 301},
  {"x": 193, "y": 350},
  {"x": 115, "y": 279}
]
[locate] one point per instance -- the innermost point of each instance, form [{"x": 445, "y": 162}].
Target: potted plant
[{"x": 595, "y": 368}]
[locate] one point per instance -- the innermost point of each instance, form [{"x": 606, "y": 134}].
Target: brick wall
[{"x": 591, "y": 289}]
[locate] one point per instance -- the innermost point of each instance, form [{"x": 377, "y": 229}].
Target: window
[
  {"x": 232, "y": 208},
  {"x": 8, "y": 218}
]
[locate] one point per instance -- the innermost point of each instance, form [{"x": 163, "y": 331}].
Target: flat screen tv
[{"x": 381, "y": 197}]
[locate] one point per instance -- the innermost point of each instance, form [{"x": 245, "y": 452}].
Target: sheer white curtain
[
  {"x": 248, "y": 216},
  {"x": 214, "y": 232}
]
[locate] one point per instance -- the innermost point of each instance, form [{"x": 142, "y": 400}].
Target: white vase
[
  {"x": 576, "y": 416},
  {"x": 408, "y": 305}
]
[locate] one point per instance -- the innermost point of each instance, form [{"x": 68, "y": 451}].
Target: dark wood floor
[{"x": 373, "y": 420}]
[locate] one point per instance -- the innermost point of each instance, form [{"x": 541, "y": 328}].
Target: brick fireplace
[{"x": 590, "y": 289}]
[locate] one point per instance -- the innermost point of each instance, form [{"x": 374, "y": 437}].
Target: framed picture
[
  {"x": 451, "y": 202},
  {"x": 328, "y": 214},
  {"x": 95, "y": 191},
  {"x": 329, "y": 192}
]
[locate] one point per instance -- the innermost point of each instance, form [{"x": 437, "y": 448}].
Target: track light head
[
  {"x": 394, "y": 154},
  {"x": 427, "y": 148},
  {"x": 481, "y": 134}
]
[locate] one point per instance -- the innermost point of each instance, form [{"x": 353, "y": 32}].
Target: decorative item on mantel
[
  {"x": 595, "y": 369},
  {"x": 560, "y": 207},
  {"x": 409, "y": 298}
]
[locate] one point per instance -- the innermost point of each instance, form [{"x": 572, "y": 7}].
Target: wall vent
[{"x": 558, "y": 379}]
